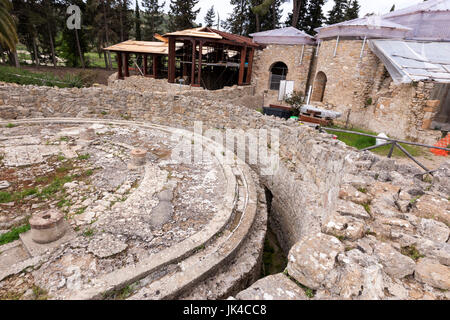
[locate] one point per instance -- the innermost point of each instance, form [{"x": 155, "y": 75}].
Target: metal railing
[{"x": 393, "y": 143}]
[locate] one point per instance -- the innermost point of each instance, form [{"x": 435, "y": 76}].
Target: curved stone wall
[{"x": 356, "y": 226}]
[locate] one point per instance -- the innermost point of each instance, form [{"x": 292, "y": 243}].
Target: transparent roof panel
[{"x": 409, "y": 61}]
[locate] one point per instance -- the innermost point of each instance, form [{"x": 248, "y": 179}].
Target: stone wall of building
[
  {"x": 291, "y": 55},
  {"x": 362, "y": 90},
  {"x": 349, "y": 77}
]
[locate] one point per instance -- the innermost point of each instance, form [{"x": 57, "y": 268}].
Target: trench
[{"x": 274, "y": 259}]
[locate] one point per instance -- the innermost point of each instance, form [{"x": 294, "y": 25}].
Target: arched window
[
  {"x": 278, "y": 72},
  {"x": 320, "y": 84}
]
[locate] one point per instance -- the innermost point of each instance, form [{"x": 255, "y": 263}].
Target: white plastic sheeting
[
  {"x": 408, "y": 61},
  {"x": 370, "y": 27},
  {"x": 428, "y": 20}
]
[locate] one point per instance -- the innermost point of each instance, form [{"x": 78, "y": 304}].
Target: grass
[
  {"x": 11, "y": 125},
  {"x": 310, "y": 293},
  {"x": 25, "y": 77},
  {"x": 6, "y": 197},
  {"x": 412, "y": 252},
  {"x": 39, "y": 293},
  {"x": 84, "y": 156},
  {"x": 13, "y": 235},
  {"x": 362, "y": 142}
]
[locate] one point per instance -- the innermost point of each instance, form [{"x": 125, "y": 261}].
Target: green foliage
[
  {"x": 412, "y": 252},
  {"x": 25, "y": 77},
  {"x": 210, "y": 18},
  {"x": 182, "y": 14},
  {"x": 361, "y": 142},
  {"x": 8, "y": 34},
  {"x": 13, "y": 235},
  {"x": 10, "y": 125}
]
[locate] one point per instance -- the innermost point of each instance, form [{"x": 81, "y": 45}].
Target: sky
[{"x": 367, "y": 6}]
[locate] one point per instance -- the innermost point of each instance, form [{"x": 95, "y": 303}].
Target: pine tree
[
  {"x": 182, "y": 14},
  {"x": 338, "y": 13},
  {"x": 210, "y": 18},
  {"x": 315, "y": 17},
  {"x": 302, "y": 15},
  {"x": 393, "y": 8},
  {"x": 153, "y": 18},
  {"x": 238, "y": 22},
  {"x": 352, "y": 11},
  {"x": 137, "y": 22}
]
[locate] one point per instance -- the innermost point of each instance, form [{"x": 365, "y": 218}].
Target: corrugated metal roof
[
  {"x": 431, "y": 5},
  {"x": 408, "y": 61},
  {"x": 288, "y": 35}
]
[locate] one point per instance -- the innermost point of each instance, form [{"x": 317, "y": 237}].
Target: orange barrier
[{"x": 443, "y": 143}]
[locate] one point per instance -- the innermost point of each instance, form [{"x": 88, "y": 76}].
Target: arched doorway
[
  {"x": 320, "y": 84},
  {"x": 278, "y": 72}
]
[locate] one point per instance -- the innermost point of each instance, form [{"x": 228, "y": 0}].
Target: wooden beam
[
  {"x": 120, "y": 66},
  {"x": 200, "y": 56},
  {"x": 127, "y": 70},
  {"x": 242, "y": 67},
  {"x": 193, "y": 63},
  {"x": 172, "y": 61},
  {"x": 155, "y": 66},
  {"x": 250, "y": 66},
  {"x": 145, "y": 65}
]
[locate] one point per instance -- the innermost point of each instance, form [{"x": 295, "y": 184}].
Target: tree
[
  {"x": 352, "y": 11},
  {"x": 210, "y": 18},
  {"x": 238, "y": 22},
  {"x": 338, "y": 13},
  {"x": 137, "y": 22},
  {"x": 182, "y": 14},
  {"x": 393, "y": 8},
  {"x": 298, "y": 6},
  {"x": 300, "y": 12},
  {"x": 315, "y": 17},
  {"x": 8, "y": 34},
  {"x": 153, "y": 17}
]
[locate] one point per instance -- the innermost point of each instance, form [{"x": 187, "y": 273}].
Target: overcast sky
[{"x": 367, "y": 6}]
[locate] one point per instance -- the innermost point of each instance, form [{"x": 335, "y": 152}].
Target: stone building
[
  {"x": 386, "y": 74},
  {"x": 288, "y": 55}
]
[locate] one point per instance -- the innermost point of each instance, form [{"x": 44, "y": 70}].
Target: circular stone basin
[{"x": 47, "y": 226}]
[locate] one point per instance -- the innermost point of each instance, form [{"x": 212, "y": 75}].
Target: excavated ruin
[{"x": 141, "y": 226}]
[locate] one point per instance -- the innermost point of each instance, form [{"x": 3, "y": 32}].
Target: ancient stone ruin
[{"x": 139, "y": 225}]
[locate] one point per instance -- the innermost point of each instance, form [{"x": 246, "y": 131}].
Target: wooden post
[
  {"x": 171, "y": 67},
  {"x": 120, "y": 66},
  {"x": 145, "y": 65},
  {"x": 250, "y": 66},
  {"x": 155, "y": 66},
  {"x": 200, "y": 56},
  {"x": 193, "y": 84},
  {"x": 127, "y": 70},
  {"x": 242, "y": 67}
]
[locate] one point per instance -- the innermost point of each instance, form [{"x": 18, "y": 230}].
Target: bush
[{"x": 296, "y": 100}]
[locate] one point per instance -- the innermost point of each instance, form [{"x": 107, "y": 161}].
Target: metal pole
[
  {"x": 391, "y": 151},
  {"x": 412, "y": 158},
  {"x": 335, "y": 48},
  {"x": 362, "y": 49},
  {"x": 388, "y": 139},
  {"x": 303, "y": 52}
]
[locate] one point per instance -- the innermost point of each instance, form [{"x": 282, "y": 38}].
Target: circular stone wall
[{"x": 149, "y": 225}]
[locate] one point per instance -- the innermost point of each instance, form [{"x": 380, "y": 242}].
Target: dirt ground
[{"x": 101, "y": 74}]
